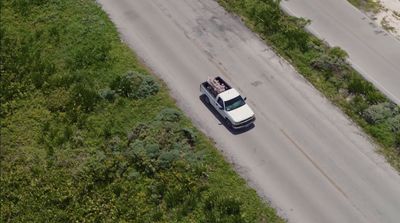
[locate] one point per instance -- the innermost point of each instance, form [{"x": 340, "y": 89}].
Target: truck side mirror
[{"x": 245, "y": 98}]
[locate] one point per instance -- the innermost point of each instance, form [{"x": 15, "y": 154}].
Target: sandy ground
[{"x": 389, "y": 16}]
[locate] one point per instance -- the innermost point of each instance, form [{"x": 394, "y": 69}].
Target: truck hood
[{"x": 240, "y": 114}]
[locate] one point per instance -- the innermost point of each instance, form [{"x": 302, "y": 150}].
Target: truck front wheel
[{"x": 228, "y": 123}]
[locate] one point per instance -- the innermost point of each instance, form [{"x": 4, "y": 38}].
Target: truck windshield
[{"x": 234, "y": 103}]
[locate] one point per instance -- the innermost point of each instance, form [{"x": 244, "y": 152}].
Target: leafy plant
[
  {"x": 394, "y": 123},
  {"x": 169, "y": 115},
  {"x": 135, "y": 85},
  {"x": 108, "y": 94},
  {"x": 380, "y": 112},
  {"x": 83, "y": 98}
]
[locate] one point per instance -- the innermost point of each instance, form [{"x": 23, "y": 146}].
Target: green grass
[
  {"x": 367, "y": 5},
  {"x": 326, "y": 68},
  {"x": 80, "y": 144}
]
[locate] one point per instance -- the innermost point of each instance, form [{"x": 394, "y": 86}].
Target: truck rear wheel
[{"x": 206, "y": 99}]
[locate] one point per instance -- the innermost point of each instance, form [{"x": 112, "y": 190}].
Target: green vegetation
[
  {"x": 88, "y": 135},
  {"x": 386, "y": 25},
  {"x": 326, "y": 68},
  {"x": 367, "y": 5}
]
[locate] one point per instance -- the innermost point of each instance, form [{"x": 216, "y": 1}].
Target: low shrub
[
  {"x": 134, "y": 85},
  {"x": 83, "y": 97},
  {"x": 167, "y": 158},
  {"x": 108, "y": 94},
  {"x": 375, "y": 97},
  {"x": 333, "y": 61},
  {"x": 169, "y": 115},
  {"x": 147, "y": 87},
  {"x": 394, "y": 123},
  {"x": 190, "y": 135},
  {"x": 382, "y": 132},
  {"x": 358, "y": 85},
  {"x": 358, "y": 104},
  {"x": 380, "y": 112}
]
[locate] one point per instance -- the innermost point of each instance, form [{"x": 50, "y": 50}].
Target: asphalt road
[
  {"x": 372, "y": 51},
  {"x": 303, "y": 154}
]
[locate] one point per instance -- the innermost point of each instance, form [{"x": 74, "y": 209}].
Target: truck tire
[
  {"x": 206, "y": 99},
  {"x": 228, "y": 123}
]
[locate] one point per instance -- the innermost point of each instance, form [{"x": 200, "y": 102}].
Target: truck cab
[{"x": 228, "y": 102}]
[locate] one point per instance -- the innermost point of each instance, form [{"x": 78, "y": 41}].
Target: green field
[
  {"x": 326, "y": 68},
  {"x": 88, "y": 135}
]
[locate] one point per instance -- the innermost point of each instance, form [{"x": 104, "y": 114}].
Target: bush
[
  {"x": 338, "y": 53},
  {"x": 156, "y": 154},
  {"x": 167, "y": 158},
  {"x": 359, "y": 104},
  {"x": 134, "y": 85},
  {"x": 332, "y": 61},
  {"x": 147, "y": 87},
  {"x": 126, "y": 85},
  {"x": 262, "y": 14},
  {"x": 169, "y": 115},
  {"x": 358, "y": 85},
  {"x": 394, "y": 123},
  {"x": 83, "y": 98},
  {"x": 297, "y": 37},
  {"x": 138, "y": 132},
  {"x": 189, "y": 134},
  {"x": 382, "y": 132},
  {"x": 108, "y": 94},
  {"x": 152, "y": 150},
  {"x": 378, "y": 113},
  {"x": 375, "y": 97}
]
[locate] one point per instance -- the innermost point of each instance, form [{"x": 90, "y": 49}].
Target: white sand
[{"x": 389, "y": 15}]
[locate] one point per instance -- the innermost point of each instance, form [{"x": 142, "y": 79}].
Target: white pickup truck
[{"x": 228, "y": 102}]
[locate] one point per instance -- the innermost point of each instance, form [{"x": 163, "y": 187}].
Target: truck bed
[{"x": 210, "y": 88}]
